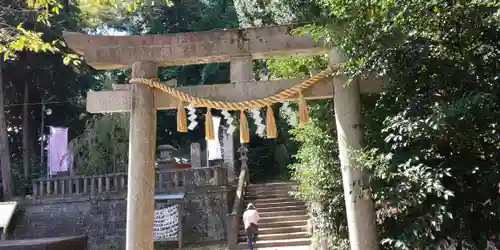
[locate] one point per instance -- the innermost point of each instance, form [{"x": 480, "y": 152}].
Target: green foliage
[
  {"x": 282, "y": 68},
  {"x": 112, "y": 13},
  {"x": 265, "y": 12},
  {"x": 35, "y": 57},
  {"x": 318, "y": 172},
  {"x": 18, "y": 31},
  {"x": 432, "y": 140},
  {"x": 103, "y": 147},
  {"x": 49, "y": 78},
  {"x": 19, "y": 182}
]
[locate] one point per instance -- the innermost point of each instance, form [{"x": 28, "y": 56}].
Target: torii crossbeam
[
  {"x": 119, "y": 100},
  {"x": 144, "y": 54}
]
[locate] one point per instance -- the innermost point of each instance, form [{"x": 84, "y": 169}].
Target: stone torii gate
[{"x": 144, "y": 54}]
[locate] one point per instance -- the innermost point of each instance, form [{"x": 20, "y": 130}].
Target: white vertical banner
[{"x": 213, "y": 146}]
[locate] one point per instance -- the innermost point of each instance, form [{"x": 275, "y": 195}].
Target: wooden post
[
  {"x": 359, "y": 205},
  {"x": 141, "y": 164}
]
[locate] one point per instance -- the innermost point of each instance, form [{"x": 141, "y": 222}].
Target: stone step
[
  {"x": 283, "y": 218},
  {"x": 271, "y": 187},
  {"x": 281, "y": 208},
  {"x": 280, "y": 236},
  {"x": 281, "y": 213},
  {"x": 279, "y": 224},
  {"x": 278, "y": 243},
  {"x": 256, "y": 201},
  {"x": 276, "y": 204},
  {"x": 277, "y": 230},
  {"x": 271, "y": 191},
  {"x": 267, "y": 196},
  {"x": 273, "y": 184}
]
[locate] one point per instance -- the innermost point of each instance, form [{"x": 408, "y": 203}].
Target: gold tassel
[
  {"x": 270, "y": 123},
  {"x": 303, "y": 111},
  {"x": 209, "y": 126},
  {"x": 244, "y": 131},
  {"x": 181, "y": 117}
]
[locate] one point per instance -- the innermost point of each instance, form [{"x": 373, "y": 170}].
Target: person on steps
[{"x": 251, "y": 220}]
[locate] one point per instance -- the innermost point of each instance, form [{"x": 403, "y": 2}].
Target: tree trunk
[
  {"x": 26, "y": 147},
  {"x": 8, "y": 190}
]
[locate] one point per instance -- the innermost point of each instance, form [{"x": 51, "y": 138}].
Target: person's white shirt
[{"x": 251, "y": 216}]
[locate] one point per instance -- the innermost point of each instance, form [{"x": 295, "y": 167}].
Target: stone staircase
[{"x": 283, "y": 218}]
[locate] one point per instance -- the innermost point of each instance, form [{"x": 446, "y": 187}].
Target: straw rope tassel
[
  {"x": 303, "y": 110},
  {"x": 209, "y": 126},
  {"x": 181, "y": 117},
  {"x": 270, "y": 123},
  {"x": 244, "y": 131}
]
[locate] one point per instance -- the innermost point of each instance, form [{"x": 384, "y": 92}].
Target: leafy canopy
[
  {"x": 432, "y": 141},
  {"x": 18, "y": 28}
]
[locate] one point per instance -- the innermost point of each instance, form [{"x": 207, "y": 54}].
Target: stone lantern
[{"x": 165, "y": 155}]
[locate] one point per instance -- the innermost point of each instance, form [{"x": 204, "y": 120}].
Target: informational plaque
[
  {"x": 168, "y": 217},
  {"x": 6, "y": 212}
]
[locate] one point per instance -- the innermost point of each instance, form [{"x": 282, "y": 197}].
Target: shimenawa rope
[{"x": 240, "y": 106}]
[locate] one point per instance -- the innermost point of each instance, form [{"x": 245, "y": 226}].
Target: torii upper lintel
[{"x": 114, "y": 52}]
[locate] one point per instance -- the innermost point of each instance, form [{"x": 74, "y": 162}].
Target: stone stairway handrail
[{"x": 234, "y": 216}]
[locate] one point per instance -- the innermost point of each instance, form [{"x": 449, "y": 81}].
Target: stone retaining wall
[{"x": 103, "y": 218}]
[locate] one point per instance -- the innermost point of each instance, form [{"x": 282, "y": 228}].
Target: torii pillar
[
  {"x": 358, "y": 201},
  {"x": 141, "y": 163}
]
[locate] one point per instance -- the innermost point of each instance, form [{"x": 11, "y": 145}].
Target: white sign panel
[{"x": 6, "y": 212}]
